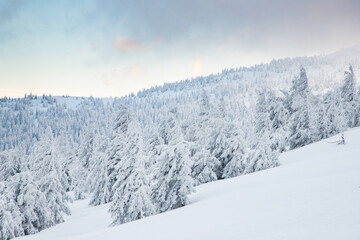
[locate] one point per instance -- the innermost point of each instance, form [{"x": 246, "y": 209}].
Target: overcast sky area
[{"x": 109, "y": 48}]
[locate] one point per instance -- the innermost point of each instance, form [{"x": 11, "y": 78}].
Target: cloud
[
  {"x": 302, "y": 25},
  {"x": 128, "y": 45}
]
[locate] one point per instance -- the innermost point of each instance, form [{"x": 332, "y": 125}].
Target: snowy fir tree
[
  {"x": 117, "y": 146},
  {"x": 333, "y": 120},
  {"x": 348, "y": 99},
  {"x": 51, "y": 177},
  {"x": 235, "y": 167},
  {"x": 31, "y": 202},
  {"x": 225, "y": 142},
  {"x": 10, "y": 215},
  {"x": 173, "y": 177},
  {"x": 131, "y": 199},
  {"x": 152, "y": 153},
  {"x": 98, "y": 179},
  {"x": 231, "y": 142},
  {"x": 10, "y": 163},
  {"x": 81, "y": 164},
  {"x": 278, "y": 115},
  {"x": 261, "y": 154},
  {"x": 262, "y": 148},
  {"x": 205, "y": 164},
  {"x": 299, "y": 134}
]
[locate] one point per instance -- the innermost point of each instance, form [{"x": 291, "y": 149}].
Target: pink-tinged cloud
[{"x": 128, "y": 45}]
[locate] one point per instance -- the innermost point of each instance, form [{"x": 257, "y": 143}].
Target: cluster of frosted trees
[
  {"x": 144, "y": 177},
  {"x": 144, "y": 163},
  {"x": 311, "y": 118},
  {"x": 33, "y": 188}
]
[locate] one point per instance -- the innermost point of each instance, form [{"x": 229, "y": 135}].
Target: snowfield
[{"x": 314, "y": 194}]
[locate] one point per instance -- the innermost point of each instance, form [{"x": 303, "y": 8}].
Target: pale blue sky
[{"x": 111, "y": 48}]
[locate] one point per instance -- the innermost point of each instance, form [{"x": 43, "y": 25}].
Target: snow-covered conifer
[
  {"x": 261, "y": 153},
  {"x": 278, "y": 115},
  {"x": 10, "y": 163},
  {"x": 98, "y": 179},
  {"x": 10, "y": 216},
  {"x": 348, "y": 99},
  {"x": 131, "y": 199},
  {"x": 173, "y": 178},
  {"x": 225, "y": 140},
  {"x": 334, "y": 121},
  {"x": 50, "y": 176},
  {"x": 260, "y": 156},
  {"x": 205, "y": 164},
  {"x": 31, "y": 202},
  {"x": 235, "y": 167},
  {"x": 81, "y": 164},
  {"x": 299, "y": 130},
  {"x": 152, "y": 153}
]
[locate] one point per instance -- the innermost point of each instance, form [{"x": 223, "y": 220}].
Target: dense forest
[{"x": 145, "y": 153}]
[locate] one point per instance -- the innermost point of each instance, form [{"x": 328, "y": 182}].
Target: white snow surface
[{"x": 314, "y": 194}]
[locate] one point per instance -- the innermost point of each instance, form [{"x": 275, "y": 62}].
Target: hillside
[
  {"x": 313, "y": 194},
  {"x": 145, "y": 154},
  {"x": 23, "y": 119}
]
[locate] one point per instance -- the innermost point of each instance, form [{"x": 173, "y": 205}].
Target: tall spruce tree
[
  {"x": 262, "y": 153},
  {"x": 31, "y": 202},
  {"x": 299, "y": 130},
  {"x": 50, "y": 177},
  {"x": 205, "y": 164},
  {"x": 98, "y": 179},
  {"x": 225, "y": 142},
  {"x": 173, "y": 177},
  {"x": 82, "y": 163},
  {"x": 348, "y": 99},
  {"x": 131, "y": 192},
  {"x": 10, "y": 216}
]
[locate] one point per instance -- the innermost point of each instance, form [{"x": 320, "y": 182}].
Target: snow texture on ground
[{"x": 314, "y": 194}]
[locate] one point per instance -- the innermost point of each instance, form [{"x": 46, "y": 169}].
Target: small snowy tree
[
  {"x": 260, "y": 157},
  {"x": 235, "y": 167},
  {"x": 10, "y": 163},
  {"x": 234, "y": 152},
  {"x": 259, "y": 154}
]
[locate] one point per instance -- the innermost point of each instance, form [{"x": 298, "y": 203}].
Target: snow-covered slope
[{"x": 314, "y": 194}]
